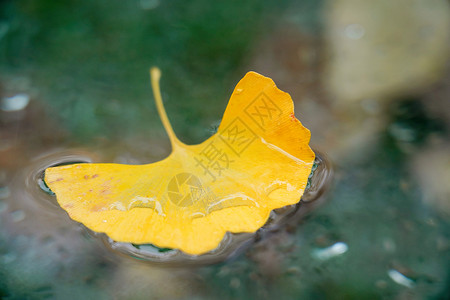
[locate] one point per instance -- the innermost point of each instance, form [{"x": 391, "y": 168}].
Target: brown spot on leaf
[
  {"x": 98, "y": 207},
  {"x": 293, "y": 118},
  {"x": 58, "y": 179},
  {"x": 105, "y": 192}
]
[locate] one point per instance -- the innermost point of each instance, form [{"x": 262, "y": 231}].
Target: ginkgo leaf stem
[{"x": 155, "y": 75}]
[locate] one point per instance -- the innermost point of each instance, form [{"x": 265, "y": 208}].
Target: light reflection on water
[{"x": 232, "y": 244}]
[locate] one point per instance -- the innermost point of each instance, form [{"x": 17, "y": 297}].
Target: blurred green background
[{"x": 370, "y": 79}]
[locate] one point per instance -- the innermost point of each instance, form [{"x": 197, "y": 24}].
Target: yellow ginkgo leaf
[{"x": 258, "y": 160}]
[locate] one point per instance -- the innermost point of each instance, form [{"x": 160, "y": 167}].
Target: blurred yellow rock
[{"x": 385, "y": 48}]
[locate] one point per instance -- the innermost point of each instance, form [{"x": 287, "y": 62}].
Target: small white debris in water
[
  {"x": 18, "y": 215},
  {"x": 334, "y": 250},
  {"x": 400, "y": 278},
  {"x": 15, "y": 103},
  {"x": 354, "y": 31},
  {"x": 105, "y": 221}
]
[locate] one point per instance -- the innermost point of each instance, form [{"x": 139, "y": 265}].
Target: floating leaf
[{"x": 258, "y": 160}]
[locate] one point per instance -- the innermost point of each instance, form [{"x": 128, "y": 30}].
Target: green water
[{"x": 84, "y": 66}]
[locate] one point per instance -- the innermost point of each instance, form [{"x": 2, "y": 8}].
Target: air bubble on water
[
  {"x": 401, "y": 279},
  {"x": 334, "y": 250},
  {"x": 15, "y": 103},
  {"x": 18, "y": 215}
]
